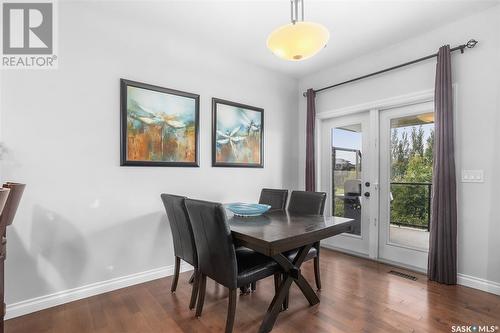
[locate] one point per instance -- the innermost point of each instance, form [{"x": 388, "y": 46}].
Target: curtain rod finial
[{"x": 471, "y": 43}]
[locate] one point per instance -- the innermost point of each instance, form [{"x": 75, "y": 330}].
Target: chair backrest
[
  {"x": 214, "y": 243},
  {"x": 274, "y": 197},
  {"x": 182, "y": 232},
  {"x": 302, "y": 202}
]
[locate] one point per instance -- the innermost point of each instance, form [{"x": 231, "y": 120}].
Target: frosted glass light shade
[{"x": 298, "y": 41}]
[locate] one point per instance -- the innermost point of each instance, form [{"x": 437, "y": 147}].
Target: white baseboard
[
  {"x": 70, "y": 295},
  {"x": 478, "y": 283}
]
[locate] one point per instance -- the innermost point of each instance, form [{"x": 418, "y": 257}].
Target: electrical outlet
[{"x": 472, "y": 176}]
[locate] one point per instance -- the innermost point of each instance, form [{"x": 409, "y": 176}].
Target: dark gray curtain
[
  {"x": 311, "y": 120},
  {"x": 443, "y": 229}
]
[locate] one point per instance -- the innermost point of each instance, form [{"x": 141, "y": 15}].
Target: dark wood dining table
[{"x": 275, "y": 233}]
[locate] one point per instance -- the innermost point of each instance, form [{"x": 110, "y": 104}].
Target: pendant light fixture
[{"x": 298, "y": 40}]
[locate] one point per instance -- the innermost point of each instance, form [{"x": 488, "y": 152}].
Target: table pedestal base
[{"x": 291, "y": 274}]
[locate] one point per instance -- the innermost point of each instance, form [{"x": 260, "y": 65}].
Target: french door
[
  {"x": 376, "y": 167},
  {"x": 406, "y": 142},
  {"x": 345, "y": 177}
]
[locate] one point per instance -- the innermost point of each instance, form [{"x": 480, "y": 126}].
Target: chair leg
[
  {"x": 287, "y": 297},
  {"x": 176, "y": 274},
  {"x": 194, "y": 291},
  {"x": 316, "y": 272},
  {"x": 254, "y": 286},
  {"x": 231, "y": 311},
  {"x": 201, "y": 294},
  {"x": 191, "y": 279},
  {"x": 245, "y": 290}
]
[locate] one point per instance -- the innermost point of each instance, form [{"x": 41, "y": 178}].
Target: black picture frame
[
  {"x": 215, "y": 102},
  {"x": 124, "y": 83}
]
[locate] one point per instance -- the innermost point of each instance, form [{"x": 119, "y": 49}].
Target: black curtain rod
[{"x": 469, "y": 45}]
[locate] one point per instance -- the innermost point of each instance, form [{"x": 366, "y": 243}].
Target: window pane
[
  {"x": 347, "y": 162},
  {"x": 412, "y": 140}
]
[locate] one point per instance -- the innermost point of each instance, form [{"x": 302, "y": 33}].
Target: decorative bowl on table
[{"x": 247, "y": 209}]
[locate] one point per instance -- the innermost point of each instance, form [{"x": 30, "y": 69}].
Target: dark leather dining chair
[
  {"x": 310, "y": 203},
  {"x": 305, "y": 202},
  {"x": 182, "y": 235},
  {"x": 217, "y": 257},
  {"x": 274, "y": 198}
]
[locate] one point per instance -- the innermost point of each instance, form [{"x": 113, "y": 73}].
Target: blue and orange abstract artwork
[
  {"x": 160, "y": 127},
  {"x": 238, "y": 135}
]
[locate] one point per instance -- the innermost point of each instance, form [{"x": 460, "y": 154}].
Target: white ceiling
[{"x": 240, "y": 28}]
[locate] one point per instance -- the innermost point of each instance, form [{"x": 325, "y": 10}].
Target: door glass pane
[
  {"x": 346, "y": 173},
  {"x": 412, "y": 140}
]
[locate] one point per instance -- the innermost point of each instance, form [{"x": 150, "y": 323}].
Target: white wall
[
  {"x": 476, "y": 74},
  {"x": 85, "y": 219}
]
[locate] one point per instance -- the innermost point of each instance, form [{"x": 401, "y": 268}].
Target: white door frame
[{"x": 373, "y": 108}]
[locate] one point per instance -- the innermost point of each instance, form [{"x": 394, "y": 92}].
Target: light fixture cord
[
  {"x": 302, "y": 9},
  {"x": 294, "y": 10}
]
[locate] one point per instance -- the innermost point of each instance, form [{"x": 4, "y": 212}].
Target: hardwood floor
[{"x": 358, "y": 296}]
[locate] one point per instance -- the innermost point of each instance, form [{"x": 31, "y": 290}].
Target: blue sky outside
[
  {"x": 353, "y": 140},
  {"x": 342, "y": 138},
  {"x": 427, "y": 131}
]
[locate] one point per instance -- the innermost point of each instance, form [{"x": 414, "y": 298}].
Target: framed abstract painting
[
  {"x": 159, "y": 126},
  {"x": 237, "y": 135}
]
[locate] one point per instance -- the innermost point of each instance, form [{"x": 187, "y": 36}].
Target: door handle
[{"x": 367, "y": 194}]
